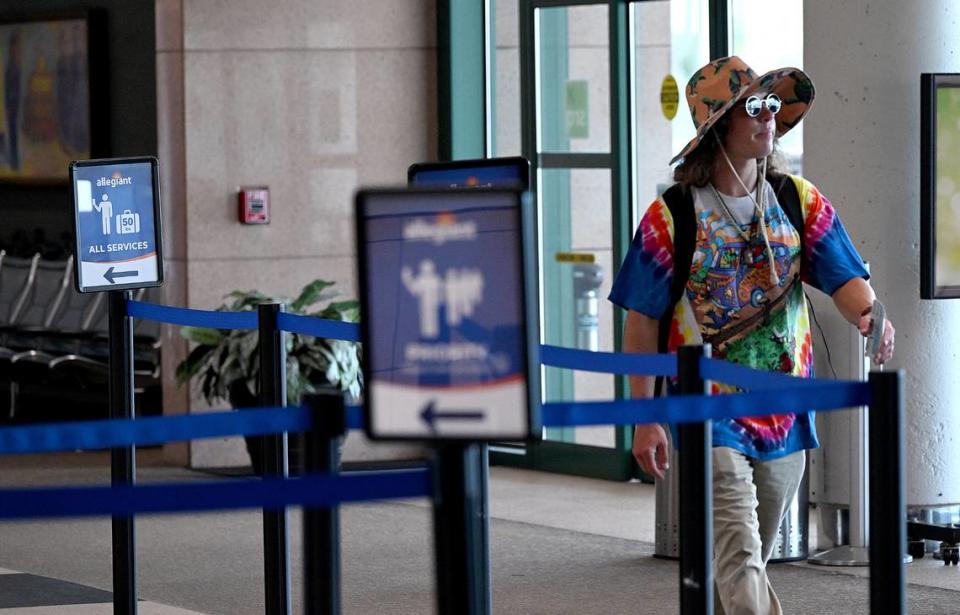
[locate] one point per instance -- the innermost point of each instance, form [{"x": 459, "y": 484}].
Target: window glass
[{"x": 767, "y": 40}]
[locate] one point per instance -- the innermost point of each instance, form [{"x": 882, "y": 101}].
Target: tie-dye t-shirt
[{"x": 732, "y": 303}]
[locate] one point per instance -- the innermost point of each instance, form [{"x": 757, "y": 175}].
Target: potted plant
[{"x": 228, "y": 367}]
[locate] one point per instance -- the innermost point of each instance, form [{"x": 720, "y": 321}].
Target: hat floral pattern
[{"x": 717, "y": 87}]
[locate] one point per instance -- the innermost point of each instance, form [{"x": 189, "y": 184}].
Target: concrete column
[{"x": 861, "y": 148}]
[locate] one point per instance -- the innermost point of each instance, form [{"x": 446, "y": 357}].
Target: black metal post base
[
  {"x": 321, "y": 526},
  {"x": 122, "y": 460},
  {"x": 273, "y": 392},
  {"x": 696, "y": 494},
  {"x": 888, "y": 514},
  {"x": 458, "y": 530}
]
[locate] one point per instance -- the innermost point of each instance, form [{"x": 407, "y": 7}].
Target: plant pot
[{"x": 241, "y": 398}]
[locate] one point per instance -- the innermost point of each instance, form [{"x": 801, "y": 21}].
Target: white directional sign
[
  {"x": 117, "y": 223},
  {"x": 447, "y": 315}
]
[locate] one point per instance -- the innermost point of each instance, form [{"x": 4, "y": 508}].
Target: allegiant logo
[
  {"x": 442, "y": 229},
  {"x": 117, "y": 179}
]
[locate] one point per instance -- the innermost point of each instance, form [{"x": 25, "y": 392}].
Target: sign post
[
  {"x": 123, "y": 465},
  {"x": 273, "y": 451},
  {"x": 696, "y": 493},
  {"x": 449, "y": 327},
  {"x": 118, "y": 247},
  {"x": 476, "y": 174},
  {"x": 461, "y": 559}
]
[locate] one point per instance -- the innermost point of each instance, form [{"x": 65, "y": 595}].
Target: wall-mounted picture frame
[
  {"x": 939, "y": 186},
  {"x": 53, "y": 95}
]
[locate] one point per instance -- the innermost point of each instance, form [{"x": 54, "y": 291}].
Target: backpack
[{"x": 679, "y": 200}]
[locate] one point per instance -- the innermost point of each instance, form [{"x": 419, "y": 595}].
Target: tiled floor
[
  {"x": 581, "y": 506},
  {"x": 626, "y": 510}
]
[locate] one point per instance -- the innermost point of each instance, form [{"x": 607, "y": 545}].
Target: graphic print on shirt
[
  {"x": 729, "y": 284},
  {"x": 740, "y": 312}
]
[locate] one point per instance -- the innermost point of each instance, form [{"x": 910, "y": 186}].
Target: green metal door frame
[
  {"x": 555, "y": 233},
  {"x": 614, "y": 463},
  {"x": 463, "y": 93}
]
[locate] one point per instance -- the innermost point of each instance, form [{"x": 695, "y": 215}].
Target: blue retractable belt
[
  {"x": 269, "y": 493},
  {"x": 319, "y": 327},
  {"x": 190, "y": 317},
  {"x": 609, "y": 362},
  {"x": 698, "y": 408}
]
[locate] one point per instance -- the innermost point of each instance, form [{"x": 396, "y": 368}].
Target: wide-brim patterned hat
[{"x": 717, "y": 87}]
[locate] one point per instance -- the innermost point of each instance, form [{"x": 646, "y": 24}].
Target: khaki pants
[{"x": 750, "y": 498}]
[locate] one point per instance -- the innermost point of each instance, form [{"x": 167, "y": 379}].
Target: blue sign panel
[
  {"x": 445, "y": 315},
  {"x": 117, "y": 222},
  {"x": 478, "y": 174}
]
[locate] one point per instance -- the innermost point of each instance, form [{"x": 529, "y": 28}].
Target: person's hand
[
  {"x": 886, "y": 345},
  {"x": 651, "y": 449}
]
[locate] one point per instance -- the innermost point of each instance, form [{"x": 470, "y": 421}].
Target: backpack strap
[
  {"x": 789, "y": 198},
  {"x": 679, "y": 200}
]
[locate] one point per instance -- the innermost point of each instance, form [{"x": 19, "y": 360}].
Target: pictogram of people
[
  {"x": 463, "y": 290},
  {"x": 426, "y": 287},
  {"x": 459, "y": 290},
  {"x": 105, "y": 207}
]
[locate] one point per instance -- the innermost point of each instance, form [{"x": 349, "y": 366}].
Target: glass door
[
  {"x": 571, "y": 127},
  {"x": 591, "y": 92}
]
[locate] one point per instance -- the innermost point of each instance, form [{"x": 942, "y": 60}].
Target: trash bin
[
  {"x": 587, "y": 278},
  {"x": 791, "y": 539}
]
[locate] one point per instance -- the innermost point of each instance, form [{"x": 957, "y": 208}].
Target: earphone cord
[{"x": 822, "y": 336}]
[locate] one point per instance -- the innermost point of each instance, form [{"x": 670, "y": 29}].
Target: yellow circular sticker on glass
[{"x": 669, "y": 97}]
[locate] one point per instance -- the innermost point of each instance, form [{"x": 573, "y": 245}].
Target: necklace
[
  {"x": 759, "y": 203},
  {"x": 731, "y": 217}
]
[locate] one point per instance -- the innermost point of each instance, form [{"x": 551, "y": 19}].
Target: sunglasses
[{"x": 754, "y": 104}]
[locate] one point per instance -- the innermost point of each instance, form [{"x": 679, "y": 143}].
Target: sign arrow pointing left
[
  {"x": 110, "y": 275},
  {"x": 430, "y": 415}
]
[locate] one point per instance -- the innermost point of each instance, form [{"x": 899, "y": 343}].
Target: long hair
[{"x": 697, "y": 166}]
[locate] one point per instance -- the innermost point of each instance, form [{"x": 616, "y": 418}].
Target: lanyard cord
[
  {"x": 759, "y": 203},
  {"x": 729, "y": 214}
]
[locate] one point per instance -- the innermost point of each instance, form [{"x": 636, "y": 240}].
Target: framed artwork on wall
[
  {"x": 53, "y": 95},
  {"x": 939, "y": 185}
]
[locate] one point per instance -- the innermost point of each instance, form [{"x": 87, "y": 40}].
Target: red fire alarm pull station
[{"x": 255, "y": 205}]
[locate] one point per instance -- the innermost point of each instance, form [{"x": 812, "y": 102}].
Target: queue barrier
[
  {"x": 115, "y": 433},
  {"x": 764, "y": 391},
  {"x": 551, "y": 356},
  {"x": 312, "y": 491}
]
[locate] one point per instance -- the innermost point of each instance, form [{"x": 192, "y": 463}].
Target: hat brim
[{"x": 792, "y": 85}]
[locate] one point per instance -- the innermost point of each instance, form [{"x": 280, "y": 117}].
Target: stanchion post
[
  {"x": 273, "y": 392},
  {"x": 123, "y": 467},
  {"x": 888, "y": 531},
  {"x": 321, "y": 526},
  {"x": 696, "y": 493},
  {"x": 458, "y": 535},
  {"x": 483, "y": 513}
]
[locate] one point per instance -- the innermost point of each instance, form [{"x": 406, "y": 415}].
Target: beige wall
[{"x": 312, "y": 98}]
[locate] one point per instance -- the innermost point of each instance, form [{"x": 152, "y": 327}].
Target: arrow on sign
[
  {"x": 110, "y": 275},
  {"x": 430, "y": 414}
]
